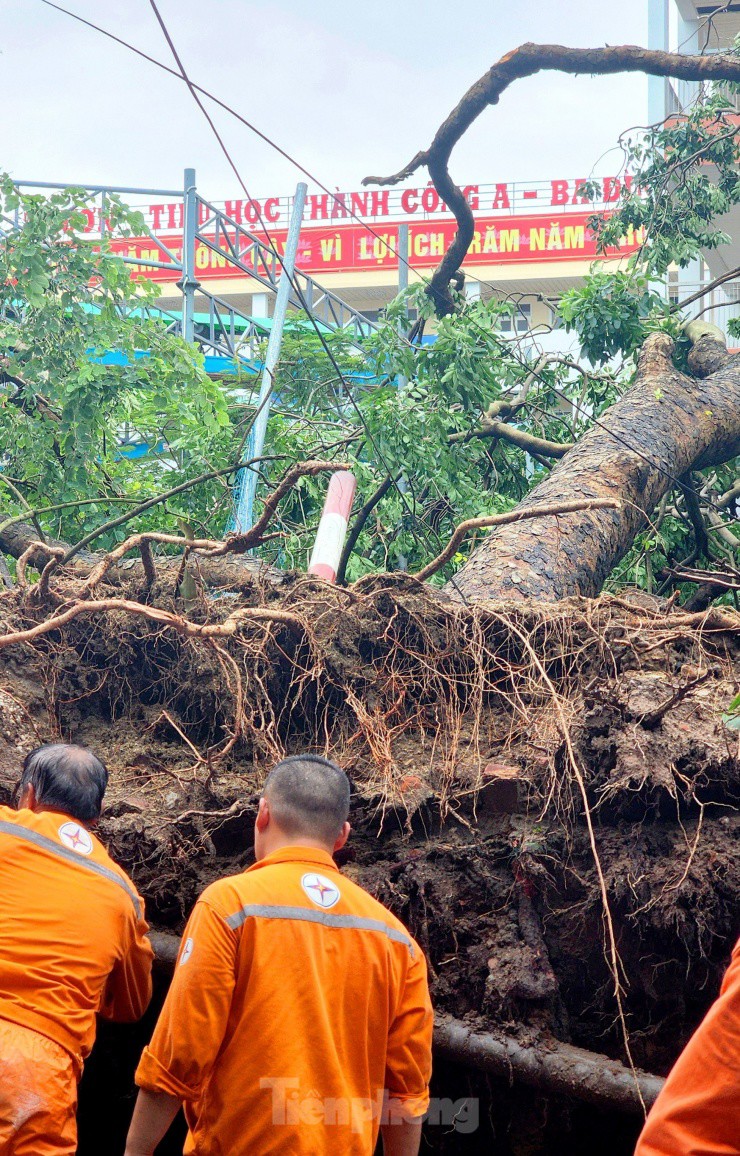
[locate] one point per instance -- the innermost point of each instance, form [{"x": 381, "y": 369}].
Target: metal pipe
[
  {"x": 98, "y": 188},
  {"x": 402, "y": 248},
  {"x": 402, "y": 252},
  {"x": 247, "y": 479},
  {"x": 189, "y": 282},
  {"x": 151, "y": 265},
  {"x": 544, "y": 1063}
]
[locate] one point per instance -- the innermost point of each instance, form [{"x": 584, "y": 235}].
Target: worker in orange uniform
[
  {"x": 698, "y": 1111},
  {"x": 72, "y": 944},
  {"x": 299, "y": 1019}
]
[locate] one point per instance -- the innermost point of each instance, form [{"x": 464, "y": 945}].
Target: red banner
[{"x": 352, "y": 248}]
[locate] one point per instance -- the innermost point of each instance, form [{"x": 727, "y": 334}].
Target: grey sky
[{"x": 349, "y": 86}]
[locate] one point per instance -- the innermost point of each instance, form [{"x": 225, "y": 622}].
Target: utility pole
[{"x": 246, "y": 484}]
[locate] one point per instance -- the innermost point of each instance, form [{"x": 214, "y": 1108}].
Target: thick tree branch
[
  {"x": 527, "y": 60},
  {"x": 517, "y": 437},
  {"x": 665, "y": 425},
  {"x": 240, "y": 543},
  {"x": 693, "y": 510},
  {"x": 709, "y": 288}
]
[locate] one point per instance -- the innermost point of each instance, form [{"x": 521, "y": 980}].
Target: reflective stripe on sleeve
[
  {"x": 39, "y": 840},
  {"x": 325, "y": 918}
]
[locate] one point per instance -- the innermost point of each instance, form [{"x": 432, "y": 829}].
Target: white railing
[
  {"x": 164, "y": 210},
  {"x": 410, "y": 203}
]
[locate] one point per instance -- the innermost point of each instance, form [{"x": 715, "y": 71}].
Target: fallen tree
[
  {"x": 545, "y": 785},
  {"x": 468, "y": 820},
  {"x": 666, "y": 425}
]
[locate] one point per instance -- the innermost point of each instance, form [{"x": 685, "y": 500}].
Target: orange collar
[{"x": 297, "y": 854}]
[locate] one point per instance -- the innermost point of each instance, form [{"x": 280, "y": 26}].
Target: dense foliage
[
  {"x": 87, "y": 366},
  {"x": 83, "y": 370}
]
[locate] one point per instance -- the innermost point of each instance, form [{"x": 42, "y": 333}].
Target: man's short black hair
[
  {"x": 66, "y": 777},
  {"x": 309, "y": 796}
]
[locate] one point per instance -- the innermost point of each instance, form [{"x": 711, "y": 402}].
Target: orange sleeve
[
  {"x": 699, "y": 1107},
  {"x": 409, "y": 1055},
  {"x": 129, "y": 987},
  {"x": 193, "y": 1021}
]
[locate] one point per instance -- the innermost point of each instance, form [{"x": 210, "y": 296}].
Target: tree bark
[{"x": 665, "y": 425}]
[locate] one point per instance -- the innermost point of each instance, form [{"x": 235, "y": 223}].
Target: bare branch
[
  {"x": 240, "y": 543},
  {"x": 727, "y": 579},
  {"x": 147, "y": 561},
  {"x": 147, "y": 505},
  {"x": 728, "y": 497},
  {"x": 525, "y": 61},
  {"x": 706, "y": 289},
  {"x": 360, "y": 519},
  {"x": 694, "y": 512},
  {"x": 505, "y": 520}
]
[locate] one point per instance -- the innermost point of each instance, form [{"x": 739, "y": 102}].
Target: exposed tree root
[{"x": 545, "y": 793}]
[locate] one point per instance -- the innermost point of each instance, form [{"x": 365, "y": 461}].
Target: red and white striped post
[{"x": 332, "y": 529}]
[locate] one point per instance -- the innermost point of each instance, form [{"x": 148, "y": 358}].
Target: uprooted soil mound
[{"x": 545, "y": 794}]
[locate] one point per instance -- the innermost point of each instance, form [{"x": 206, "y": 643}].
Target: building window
[{"x": 519, "y": 322}]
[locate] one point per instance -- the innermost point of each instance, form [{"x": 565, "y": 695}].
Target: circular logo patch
[
  {"x": 74, "y": 836},
  {"x": 320, "y": 890},
  {"x": 187, "y": 951}
]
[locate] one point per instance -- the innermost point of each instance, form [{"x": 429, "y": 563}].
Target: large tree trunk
[{"x": 666, "y": 424}]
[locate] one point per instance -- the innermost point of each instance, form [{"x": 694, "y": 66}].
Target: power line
[
  {"x": 286, "y": 273},
  {"x": 347, "y": 209}
]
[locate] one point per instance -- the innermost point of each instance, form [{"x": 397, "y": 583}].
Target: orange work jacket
[
  {"x": 698, "y": 1111},
  {"x": 298, "y": 1006},
  {"x": 71, "y": 931}
]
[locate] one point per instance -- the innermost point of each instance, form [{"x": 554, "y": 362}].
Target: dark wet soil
[{"x": 473, "y": 743}]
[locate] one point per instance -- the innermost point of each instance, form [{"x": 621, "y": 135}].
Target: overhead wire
[
  {"x": 502, "y": 343},
  {"x": 346, "y": 209},
  {"x": 287, "y": 273}
]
